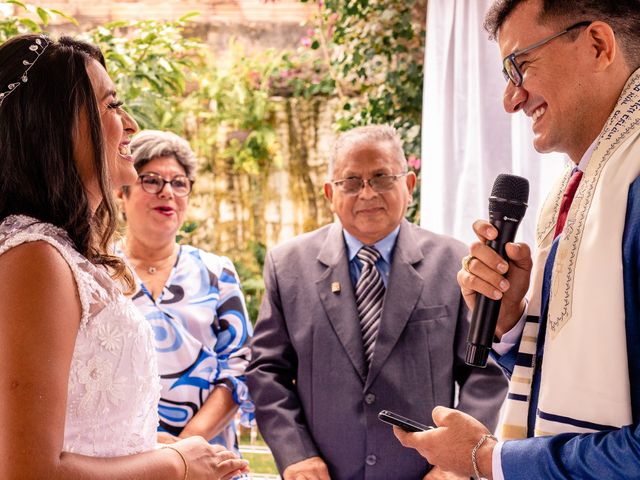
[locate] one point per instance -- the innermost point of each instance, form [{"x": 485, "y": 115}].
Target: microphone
[{"x": 507, "y": 204}]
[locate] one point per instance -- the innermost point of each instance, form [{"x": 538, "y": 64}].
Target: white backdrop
[{"x": 467, "y": 137}]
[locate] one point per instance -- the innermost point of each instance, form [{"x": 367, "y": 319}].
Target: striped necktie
[{"x": 369, "y": 297}]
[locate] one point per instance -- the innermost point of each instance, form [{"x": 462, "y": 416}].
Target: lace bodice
[{"x": 113, "y": 384}]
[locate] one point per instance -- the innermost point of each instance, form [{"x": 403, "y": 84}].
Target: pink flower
[
  {"x": 414, "y": 162},
  {"x": 306, "y": 42},
  {"x": 254, "y": 78}
]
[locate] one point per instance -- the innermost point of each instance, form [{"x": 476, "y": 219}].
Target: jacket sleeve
[
  {"x": 612, "y": 454},
  {"x": 482, "y": 390},
  {"x": 507, "y": 361},
  {"x": 271, "y": 377}
]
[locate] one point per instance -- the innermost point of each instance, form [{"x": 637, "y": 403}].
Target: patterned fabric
[
  {"x": 113, "y": 382},
  {"x": 369, "y": 299},
  {"x": 588, "y": 259},
  {"x": 202, "y": 335}
]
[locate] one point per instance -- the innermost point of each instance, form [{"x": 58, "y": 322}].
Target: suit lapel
[
  {"x": 403, "y": 291},
  {"x": 340, "y": 307}
]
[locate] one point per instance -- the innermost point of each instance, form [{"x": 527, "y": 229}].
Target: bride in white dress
[{"x": 79, "y": 384}]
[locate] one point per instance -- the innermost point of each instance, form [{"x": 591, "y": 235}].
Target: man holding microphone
[{"x": 571, "y": 348}]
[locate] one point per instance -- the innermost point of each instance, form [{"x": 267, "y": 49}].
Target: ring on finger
[{"x": 465, "y": 263}]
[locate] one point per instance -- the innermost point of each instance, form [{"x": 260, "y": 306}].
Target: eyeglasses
[
  {"x": 378, "y": 183},
  {"x": 154, "y": 184},
  {"x": 510, "y": 68}
]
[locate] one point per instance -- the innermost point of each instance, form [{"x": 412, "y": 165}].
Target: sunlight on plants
[{"x": 362, "y": 60}]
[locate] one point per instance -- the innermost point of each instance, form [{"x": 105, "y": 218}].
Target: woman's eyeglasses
[{"x": 154, "y": 184}]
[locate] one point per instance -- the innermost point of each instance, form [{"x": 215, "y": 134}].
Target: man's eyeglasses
[
  {"x": 379, "y": 183},
  {"x": 154, "y": 183},
  {"x": 510, "y": 68}
]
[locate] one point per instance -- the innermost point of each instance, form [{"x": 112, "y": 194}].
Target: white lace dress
[{"x": 114, "y": 386}]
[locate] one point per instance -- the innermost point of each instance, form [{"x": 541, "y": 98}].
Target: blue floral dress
[{"x": 202, "y": 334}]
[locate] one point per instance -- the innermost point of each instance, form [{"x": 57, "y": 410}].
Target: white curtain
[{"x": 467, "y": 137}]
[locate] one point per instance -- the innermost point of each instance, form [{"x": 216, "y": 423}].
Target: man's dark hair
[
  {"x": 622, "y": 15},
  {"x": 38, "y": 120}
]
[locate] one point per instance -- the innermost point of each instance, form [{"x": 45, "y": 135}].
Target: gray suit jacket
[{"x": 308, "y": 377}]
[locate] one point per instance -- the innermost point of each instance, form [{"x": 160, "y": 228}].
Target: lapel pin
[{"x": 335, "y": 287}]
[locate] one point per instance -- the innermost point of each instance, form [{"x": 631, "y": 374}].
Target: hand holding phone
[{"x": 404, "y": 423}]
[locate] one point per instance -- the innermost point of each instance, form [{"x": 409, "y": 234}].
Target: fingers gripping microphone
[{"x": 507, "y": 204}]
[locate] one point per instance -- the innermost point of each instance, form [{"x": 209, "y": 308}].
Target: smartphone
[{"x": 404, "y": 423}]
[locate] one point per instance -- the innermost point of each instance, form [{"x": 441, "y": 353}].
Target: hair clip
[{"x": 38, "y": 48}]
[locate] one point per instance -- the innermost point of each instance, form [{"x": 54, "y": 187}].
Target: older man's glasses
[
  {"x": 154, "y": 183},
  {"x": 510, "y": 68},
  {"x": 379, "y": 183}
]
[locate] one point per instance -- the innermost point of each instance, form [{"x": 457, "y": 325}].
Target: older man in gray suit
[{"x": 362, "y": 315}]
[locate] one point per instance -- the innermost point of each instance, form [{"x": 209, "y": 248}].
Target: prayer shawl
[{"x": 584, "y": 383}]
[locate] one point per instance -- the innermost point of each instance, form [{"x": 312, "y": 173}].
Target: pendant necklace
[{"x": 153, "y": 269}]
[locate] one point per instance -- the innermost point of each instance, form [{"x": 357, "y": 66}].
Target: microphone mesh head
[{"x": 509, "y": 196}]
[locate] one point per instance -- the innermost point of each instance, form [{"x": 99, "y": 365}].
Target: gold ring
[{"x": 465, "y": 263}]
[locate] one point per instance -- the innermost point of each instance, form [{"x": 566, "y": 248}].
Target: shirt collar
[
  {"x": 584, "y": 161},
  {"x": 384, "y": 246}
]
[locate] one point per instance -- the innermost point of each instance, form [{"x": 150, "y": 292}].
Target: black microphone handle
[{"x": 485, "y": 313}]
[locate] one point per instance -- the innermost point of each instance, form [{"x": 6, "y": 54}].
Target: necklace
[{"x": 162, "y": 264}]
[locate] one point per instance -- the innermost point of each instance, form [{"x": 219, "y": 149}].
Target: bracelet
[
  {"x": 474, "y": 459},
  {"x": 184, "y": 460}
]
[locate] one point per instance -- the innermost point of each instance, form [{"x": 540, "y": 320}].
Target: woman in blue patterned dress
[{"x": 191, "y": 298}]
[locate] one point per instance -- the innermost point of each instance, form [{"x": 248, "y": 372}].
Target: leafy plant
[
  {"x": 185, "y": 231},
  {"x": 152, "y": 64},
  {"x": 240, "y": 103},
  {"x": 302, "y": 73},
  {"x": 374, "y": 55},
  {"x": 34, "y": 19}
]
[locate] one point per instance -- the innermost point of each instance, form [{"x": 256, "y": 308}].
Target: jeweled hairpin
[{"x": 38, "y": 47}]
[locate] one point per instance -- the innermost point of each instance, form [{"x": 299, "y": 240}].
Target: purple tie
[{"x": 369, "y": 298}]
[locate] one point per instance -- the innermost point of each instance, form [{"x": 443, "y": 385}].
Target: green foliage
[
  {"x": 185, "y": 232},
  {"x": 151, "y": 63},
  {"x": 374, "y": 56},
  {"x": 33, "y": 19},
  {"x": 240, "y": 104},
  {"x": 302, "y": 73},
  {"x": 259, "y": 461}
]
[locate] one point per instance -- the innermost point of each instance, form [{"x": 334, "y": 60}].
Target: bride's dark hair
[{"x": 38, "y": 173}]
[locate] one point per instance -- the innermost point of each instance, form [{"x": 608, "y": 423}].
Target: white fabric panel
[{"x": 467, "y": 137}]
